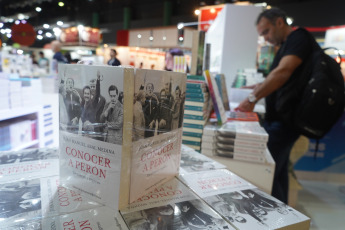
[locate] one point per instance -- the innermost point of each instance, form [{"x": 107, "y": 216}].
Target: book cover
[
  {"x": 221, "y": 83},
  {"x": 239, "y": 116},
  {"x": 233, "y": 147},
  {"x": 172, "y": 206},
  {"x": 121, "y": 136},
  {"x": 244, "y": 131},
  {"x": 210, "y": 139},
  {"x": 28, "y": 164},
  {"x": 216, "y": 100},
  {"x": 38, "y": 198},
  {"x": 243, "y": 204},
  {"x": 192, "y": 161}
]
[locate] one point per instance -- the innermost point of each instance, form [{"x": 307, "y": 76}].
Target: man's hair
[
  {"x": 178, "y": 88},
  {"x": 112, "y": 88},
  {"x": 86, "y": 87},
  {"x": 71, "y": 80},
  {"x": 151, "y": 85},
  {"x": 272, "y": 15},
  {"x": 114, "y": 50}
]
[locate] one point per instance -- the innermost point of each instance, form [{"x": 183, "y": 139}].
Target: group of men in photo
[{"x": 86, "y": 112}]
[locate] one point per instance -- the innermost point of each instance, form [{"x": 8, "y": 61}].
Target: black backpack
[{"x": 314, "y": 102}]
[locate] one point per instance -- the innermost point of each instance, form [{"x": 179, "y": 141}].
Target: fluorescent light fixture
[
  {"x": 49, "y": 35},
  {"x": 9, "y": 35},
  {"x": 59, "y": 23},
  {"x": 38, "y": 9},
  {"x": 46, "y": 26},
  {"x": 61, "y": 4},
  {"x": 39, "y": 37}
]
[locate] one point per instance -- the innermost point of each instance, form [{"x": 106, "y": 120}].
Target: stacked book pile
[
  {"x": 197, "y": 111},
  {"x": 245, "y": 141}
]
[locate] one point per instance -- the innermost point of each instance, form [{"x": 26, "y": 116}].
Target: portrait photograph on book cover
[
  {"x": 191, "y": 214},
  {"x": 91, "y": 103}
]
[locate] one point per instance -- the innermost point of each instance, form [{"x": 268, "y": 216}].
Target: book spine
[
  {"x": 197, "y": 122},
  {"x": 195, "y": 90},
  {"x": 258, "y": 137},
  {"x": 190, "y": 138},
  {"x": 196, "y": 95},
  {"x": 194, "y": 108},
  {"x": 196, "y": 99},
  {"x": 197, "y": 113},
  {"x": 194, "y": 117},
  {"x": 195, "y": 85},
  {"x": 196, "y": 77},
  {"x": 196, "y": 143},
  {"x": 248, "y": 157},
  {"x": 195, "y": 103},
  {"x": 192, "y": 130},
  {"x": 192, "y": 134},
  {"x": 191, "y": 125}
]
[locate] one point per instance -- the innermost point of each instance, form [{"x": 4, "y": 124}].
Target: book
[
  {"x": 243, "y": 204},
  {"x": 233, "y": 147},
  {"x": 196, "y": 77},
  {"x": 216, "y": 100},
  {"x": 28, "y": 164},
  {"x": 191, "y": 138},
  {"x": 247, "y": 131},
  {"x": 44, "y": 197},
  {"x": 192, "y": 130},
  {"x": 96, "y": 218},
  {"x": 172, "y": 206},
  {"x": 117, "y": 153},
  {"x": 210, "y": 139},
  {"x": 196, "y": 112},
  {"x": 192, "y": 161},
  {"x": 239, "y": 116},
  {"x": 196, "y": 95},
  {"x": 221, "y": 83},
  {"x": 196, "y": 90},
  {"x": 192, "y": 134}
]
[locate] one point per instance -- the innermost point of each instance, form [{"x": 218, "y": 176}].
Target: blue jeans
[{"x": 280, "y": 142}]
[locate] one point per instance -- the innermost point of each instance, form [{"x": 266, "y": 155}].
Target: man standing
[
  {"x": 151, "y": 110},
  {"x": 93, "y": 104},
  {"x": 295, "y": 47},
  {"x": 113, "y": 60},
  {"x": 112, "y": 116},
  {"x": 72, "y": 102}
]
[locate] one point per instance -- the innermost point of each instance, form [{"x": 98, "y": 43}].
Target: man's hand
[{"x": 245, "y": 106}]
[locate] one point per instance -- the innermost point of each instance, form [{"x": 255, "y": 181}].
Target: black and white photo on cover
[
  {"x": 91, "y": 102},
  {"x": 34, "y": 154},
  {"x": 191, "y": 163},
  {"x": 186, "y": 215},
  {"x": 18, "y": 198},
  {"x": 162, "y": 106},
  {"x": 253, "y": 204}
]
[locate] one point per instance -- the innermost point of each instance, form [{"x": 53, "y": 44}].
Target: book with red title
[{"x": 120, "y": 130}]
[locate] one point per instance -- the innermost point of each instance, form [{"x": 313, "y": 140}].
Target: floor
[{"x": 324, "y": 203}]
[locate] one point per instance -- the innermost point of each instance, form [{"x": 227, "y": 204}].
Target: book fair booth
[{"x": 154, "y": 143}]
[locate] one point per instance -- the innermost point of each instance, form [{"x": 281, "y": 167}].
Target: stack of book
[
  {"x": 245, "y": 141},
  {"x": 197, "y": 111}
]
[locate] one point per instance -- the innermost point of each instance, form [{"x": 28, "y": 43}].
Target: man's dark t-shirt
[{"x": 297, "y": 43}]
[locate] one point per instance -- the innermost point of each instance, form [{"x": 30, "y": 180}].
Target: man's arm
[{"x": 276, "y": 79}]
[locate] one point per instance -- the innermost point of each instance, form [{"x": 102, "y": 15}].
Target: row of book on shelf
[
  {"x": 121, "y": 169},
  {"x": 202, "y": 195}
]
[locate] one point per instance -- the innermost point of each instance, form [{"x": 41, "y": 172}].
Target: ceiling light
[
  {"x": 8, "y": 30},
  {"x": 39, "y": 37},
  {"x": 17, "y": 22},
  {"x": 105, "y": 45},
  {"x": 61, "y": 4},
  {"x": 1, "y": 24},
  {"x": 197, "y": 12},
  {"x": 59, "y": 23},
  {"x": 21, "y": 16},
  {"x": 57, "y": 31},
  {"x": 80, "y": 27},
  {"x": 23, "y": 21},
  {"x": 48, "y": 34},
  {"x": 46, "y": 26},
  {"x": 164, "y": 38},
  {"x": 289, "y": 20},
  {"x": 9, "y": 35},
  {"x": 151, "y": 38},
  {"x": 40, "y": 32},
  {"x": 180, "y": 26},
  {"x": 38, "y": 9},
  {"x": 20, "y": 51},
  {"x": 3, "y": 31},
  {"x": 180, "y": 39},
  {"x": 139, "y": 35}
]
